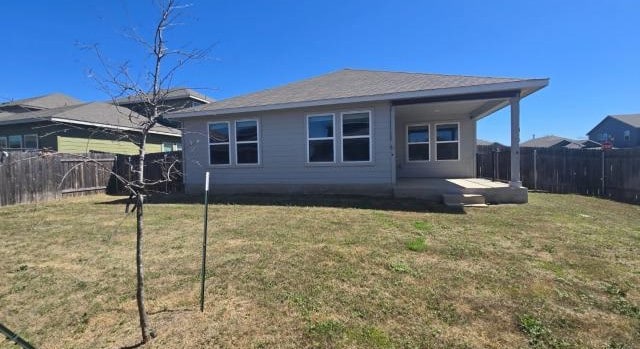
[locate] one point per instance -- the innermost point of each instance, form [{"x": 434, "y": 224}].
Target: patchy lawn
[{"x": 560, "y": 272}]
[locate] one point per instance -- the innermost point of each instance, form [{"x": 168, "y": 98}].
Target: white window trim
[
  {"x": 37, "y": 140},
  {"x": 406, "y": 134},
  {"x": 333, "y": 139},
  {"x": 443, "y": 142},
  {"x": 9, "y": 142},
  {"x": 209, "y": 144},
  {"x": 343, "y": 137},
  {"x": 236, "y": 142},
  {"x": 6, "y": 142}
]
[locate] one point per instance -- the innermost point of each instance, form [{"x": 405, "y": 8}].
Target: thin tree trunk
[
  {"x": 144, "y": 322},
  {"x": 144, "y": 327}
]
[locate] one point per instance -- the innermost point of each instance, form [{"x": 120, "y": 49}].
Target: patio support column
[{"x": 514, "y": 103}]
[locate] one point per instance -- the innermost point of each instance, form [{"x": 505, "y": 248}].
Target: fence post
[
  {"x": 535, "y": 169},
  {"x": 602, "y": 178},
  {"x": 497, "y": 165}
]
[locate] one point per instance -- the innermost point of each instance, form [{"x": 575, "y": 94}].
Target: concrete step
[{"x": 467, "y": 200}]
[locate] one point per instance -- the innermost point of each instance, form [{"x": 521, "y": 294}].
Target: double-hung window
[
  {"x": 219, "y": 143},
  {"x": 15, "y": 142},
  {"x": 418, "y": 143},
  {"x": 31, "y": 141},
  {"x": 320, "y": 138},
  {"x": 447, "y": 141},
  {"x": 356, "y": 136},
  {"x": 3, "y": 143},
  {"x": 627, "y": 135},
  {"x": 247, "y": 151}
]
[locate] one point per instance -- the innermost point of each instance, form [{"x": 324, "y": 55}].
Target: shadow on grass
[
  {"x": 335, "y": 201},
  {"x": 137, "y": 345}
]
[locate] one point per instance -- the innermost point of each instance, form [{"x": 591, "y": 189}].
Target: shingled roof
[
  {"x": 170, "y": 94},
  {"x": 53, "y": 100},
  {"x": 556, "y": 141},
  {"x": 347, "y": 84},
  {"x": 629, "y": 119},
  {"x": 95, "y": 114}
]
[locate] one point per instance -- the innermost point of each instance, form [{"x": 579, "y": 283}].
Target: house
[
  {"x": 623, "y": 131},
  {"x": 53, "y": 100},
  {"x": 77, "y": 127},
  {"x": 485, "y": 143},
  {"x": 353, "y": 132},
  {"x": 172, "y": 99},
  {"x": 559, "y": 142}
]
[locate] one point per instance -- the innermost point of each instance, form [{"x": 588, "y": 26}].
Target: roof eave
[
  {"x": 114, "y": 127},
  {"x": 531, "y": 85}
]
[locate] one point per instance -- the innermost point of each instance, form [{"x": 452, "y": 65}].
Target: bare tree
[{"x": 151, "y": 91}]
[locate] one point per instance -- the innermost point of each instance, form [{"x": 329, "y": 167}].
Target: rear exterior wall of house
[
  {"x": 282, "y": 146},
  {"x": 284, "y": 166}
]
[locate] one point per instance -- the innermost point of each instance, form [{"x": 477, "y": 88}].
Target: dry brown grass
[{"x": 560, "y": 272}]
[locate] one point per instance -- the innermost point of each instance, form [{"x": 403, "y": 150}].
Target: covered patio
[{"x": 435, "y": 141}]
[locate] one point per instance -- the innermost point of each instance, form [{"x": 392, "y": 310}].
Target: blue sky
[{"x": 589, "y": 49}]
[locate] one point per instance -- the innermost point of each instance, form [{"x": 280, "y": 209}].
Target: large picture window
[
  {"x": 356, "y": 136},
  {"x": 418, "y": 143},
  {"x": 247, "y": 142},
  {"x": 15, "y": 142},
  {"x": 447, "y": 141},
  {"x": 320, "y": 138},
  {"x": 219, "y": 143}
]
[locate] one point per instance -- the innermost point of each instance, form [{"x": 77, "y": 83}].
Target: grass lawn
[{"x": 560, "y": 272}]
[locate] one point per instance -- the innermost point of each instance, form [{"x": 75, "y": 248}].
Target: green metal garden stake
[{"x": 204, "y": 240}]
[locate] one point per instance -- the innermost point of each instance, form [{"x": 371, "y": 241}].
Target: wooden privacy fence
[
  {"x": 30, "y": 177},
  {"x": 163, "y": 169},
  {"x": 611, "y": 173}
]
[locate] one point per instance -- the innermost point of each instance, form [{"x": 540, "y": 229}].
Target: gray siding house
[
  {"x": 349, "y": 132},
  {"x": 623, "y": 131}
]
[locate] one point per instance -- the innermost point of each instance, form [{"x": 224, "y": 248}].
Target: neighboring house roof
[
  {"x": 53, "y": 100},
  {"x": 170, "y": 94},
  {"x": 94, "y": 114},
  {"x": 632, "y": 120},
  {"x": 483, "y": 142},
  {"x": 556, "y": 141},
  {"x": 349, "y": 86}
]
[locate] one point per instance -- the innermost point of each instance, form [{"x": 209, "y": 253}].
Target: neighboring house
[
  {"x": 623, "y": 131},
  {"x": 493, "y": 145},
  {"x": 350, "y": 131},
  {"x": 559, "y": 142},
  {"x": 172, "y": 99},
  {"x": 82, "y": 127},
  {"x": 54, "y": 100}
]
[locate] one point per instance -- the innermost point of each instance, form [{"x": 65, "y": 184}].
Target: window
[
  {"x": 627, "y": 135},
  {"x": 418, "y": 143},
  {"x": 320, "y": 138},
  {"x": 247, "y": 142},
  {"x": 31, "y": 141},
  {"x": 3, "y": 142},
  {"x": 356, "y": 136},
  {"x": 15, "y": 142},
  {"x": 447, "y": 142},
  {"x": 604, "y": 137},
  {"x": 219, "y": 143},
  {"x": 167, "y": 147}
]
